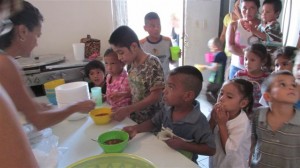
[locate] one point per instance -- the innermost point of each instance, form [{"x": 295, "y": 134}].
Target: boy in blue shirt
[
  {"x": 217, "y": 69},
  {"x": 182, "y": 125}
]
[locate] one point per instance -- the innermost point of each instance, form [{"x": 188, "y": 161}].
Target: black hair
[
  {"x": 287, "y": 52},
  {"x": 110, "y": 51},
  {"x": 28, "y": 16},
  {"x": 277, "y": 5},
  {"x": 261, "y": 51},
  {"x": 266, "y": 85},
  {"x": 123, "y": 36},
  {"x": 150, "y": 16},
  {"x": 95, "y": 64},
  {"x": 193, "y": 79},
  {"x": 246, "y": 89},
  {"x": 256, "y": 2}
]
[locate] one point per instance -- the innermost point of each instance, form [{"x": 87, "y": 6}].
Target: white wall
[{"x": 67, "y": 21}]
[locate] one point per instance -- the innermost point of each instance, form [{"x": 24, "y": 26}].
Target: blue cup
[{"x": 50, "y": 93}]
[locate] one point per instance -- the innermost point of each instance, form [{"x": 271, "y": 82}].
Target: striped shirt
[{"x": 280, "y": 148}]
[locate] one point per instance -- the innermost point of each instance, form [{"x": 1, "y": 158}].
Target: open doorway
[{"x": 169, "y": 11}]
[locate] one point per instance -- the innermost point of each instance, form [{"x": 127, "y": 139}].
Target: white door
[{"x": 201, "y": 24}]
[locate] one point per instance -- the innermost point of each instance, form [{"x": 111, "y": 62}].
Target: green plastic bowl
[{"x": 116, "y": 147}]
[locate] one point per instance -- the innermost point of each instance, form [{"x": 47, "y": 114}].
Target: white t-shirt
[
  {"x": 243, "y": 38},
  {"x": 237, "y": 145},
  {"x": 161, "y": 49}
]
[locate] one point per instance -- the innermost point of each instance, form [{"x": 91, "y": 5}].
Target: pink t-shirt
[{"x": 120, "y": 84}]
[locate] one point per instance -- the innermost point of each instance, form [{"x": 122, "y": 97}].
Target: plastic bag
[{"x": 44, "y": 145}]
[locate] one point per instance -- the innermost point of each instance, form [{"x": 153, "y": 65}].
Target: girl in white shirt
[{"x": 231, "y": 125}]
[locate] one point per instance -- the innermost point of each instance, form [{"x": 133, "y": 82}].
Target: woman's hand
[{"x": 84, "y": 106}]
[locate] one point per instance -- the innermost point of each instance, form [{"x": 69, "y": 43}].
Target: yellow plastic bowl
[
  {"x": 52, "y": 84},
  {"x": 101, "y": 115}
]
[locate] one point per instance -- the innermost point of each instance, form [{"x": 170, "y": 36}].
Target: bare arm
[
  {"x": 153, "y": 97},
  {"x": 259, "y": 34},
  {"x": 230, "y": 36},
  {"x": 143, "y": 127},
  {"x": 23, "y": 101},
  {"x": 212, "y": 67},
  {"x": 14, "y": 147},
  {"x": 223, "y": 135},
  {"x": 223, "y": 34}
]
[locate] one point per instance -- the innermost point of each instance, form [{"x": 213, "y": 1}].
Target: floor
[{"x": 206, "y": 107}]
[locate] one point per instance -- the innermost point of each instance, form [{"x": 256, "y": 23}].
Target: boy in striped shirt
[{"x": 276, "y": 129}]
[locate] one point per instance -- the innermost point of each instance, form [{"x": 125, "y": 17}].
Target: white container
[
  {"x": 78, "y": 50},
  {"x": 71, "y": 93}
]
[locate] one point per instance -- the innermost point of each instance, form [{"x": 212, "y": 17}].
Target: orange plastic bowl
[{"x": 101, "y": 115}]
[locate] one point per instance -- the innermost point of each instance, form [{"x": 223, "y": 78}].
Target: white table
[{"x": 76, "y": 137}]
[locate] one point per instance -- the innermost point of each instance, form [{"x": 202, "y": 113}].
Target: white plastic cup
[{"x": 78, "y": 50}]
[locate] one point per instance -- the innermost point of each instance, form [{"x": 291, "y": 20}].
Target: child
[
  {"x": 185, "y": 127},
  {"x": 231, "y": 125},
  {"x": 217, "y": 69},
  {"x": 284, "y": 58},
  {"x": 296, "y": 72},
  {"x": 256, "y": 59},
  {"x": 95, "y": 71},
  {"x": 238, "y": 35},
  {"x": 145, "y": 74},
  {"x": 276, "y": 129},
  {"x": 269, "y": 30},
  {"x": 155, "y": 43},
  {"x": 117, "y": 87}
]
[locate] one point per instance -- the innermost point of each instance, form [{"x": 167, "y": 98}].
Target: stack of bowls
[
  {"x": 49, "y": 89},
  {"x": 71, "y": 93}
]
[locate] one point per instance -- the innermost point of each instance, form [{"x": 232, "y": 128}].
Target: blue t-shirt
[{"x": 217, "y": 77}]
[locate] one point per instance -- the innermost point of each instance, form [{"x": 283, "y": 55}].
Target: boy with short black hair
[
  {"x": 95, "y": 71},
  {"x": 182, "y": 125},
  {"x": 145, "y": 75},
  {"x": 155, "y": 43},
  {"x": 269, "y": 30},
  {"x": 276, "y": 129}
]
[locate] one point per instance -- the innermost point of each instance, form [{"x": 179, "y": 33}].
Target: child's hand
[
  {"x": 131, "y": 130},
  {"x": 175, "y": 143},
  {"x": 222, "y": 116},
  {"x": 83, "y": 106},
  {"x": 120, "y": 114}
]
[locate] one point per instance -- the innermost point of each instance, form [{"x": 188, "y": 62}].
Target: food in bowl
[
  {"x": 113, "y": 141},
  {"x": 101, "y": 115}
]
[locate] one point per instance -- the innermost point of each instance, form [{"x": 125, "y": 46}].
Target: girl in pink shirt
[{"x": 117, "y": 88}]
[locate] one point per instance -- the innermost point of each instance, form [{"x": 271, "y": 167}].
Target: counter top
[{"x": 76, "y": 137}]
